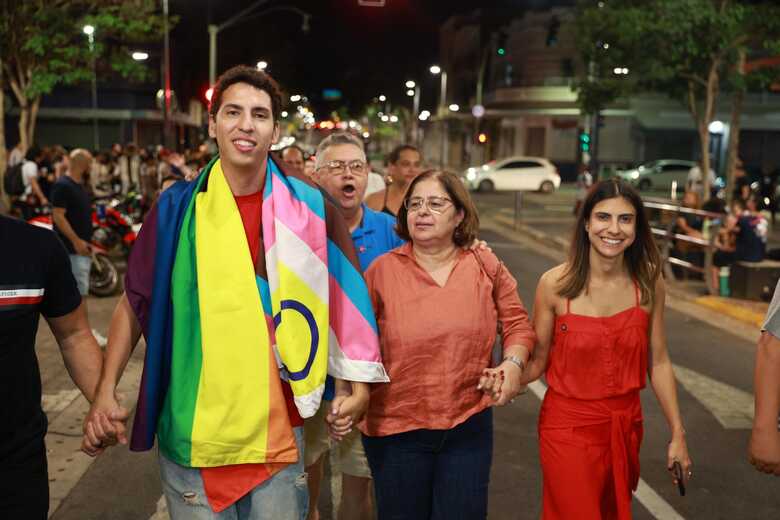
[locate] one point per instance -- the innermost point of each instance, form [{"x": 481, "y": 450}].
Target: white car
[
  {"x": 659, "y": 175},
  {"x": 514, "y": 174}
]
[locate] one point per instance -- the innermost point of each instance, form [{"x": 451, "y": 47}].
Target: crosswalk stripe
[
  {"x": 732, "y": 407},
  {"x": 652, "y": 501}
]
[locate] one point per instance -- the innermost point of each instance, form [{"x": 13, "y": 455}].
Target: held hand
[
  {"x": 82, "y": 248},
  {"x": 105, "y": 425},
  {"x": 764, "y": 451},
  {"x": 480, "y": 245},
  {"x": 338, "y": 427},
  {"x": 678, "y": 452},
  {"x": 502, "y": 383},
  {"x": 346, "y": 411},
  {"x": 190, "y": 174},
  {"x": 490, "y": 382}
]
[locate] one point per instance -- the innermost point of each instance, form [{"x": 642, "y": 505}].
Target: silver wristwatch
[{"x": 516, "y": 360}]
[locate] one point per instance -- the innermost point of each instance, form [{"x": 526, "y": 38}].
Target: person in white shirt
[
  {"x": 695, "y": 180},
  {"x": 16, "y": 155},
  {"x": 30, "y": 177},
  {"x": 375, "y": 184}
]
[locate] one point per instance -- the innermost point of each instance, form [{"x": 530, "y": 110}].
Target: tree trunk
[
  {"x": 33, "y": 119},
  {"x": 704, "y": 123},
  {"x": 736, "y": 113},
  {"x": 24, "y": 116},
  {"x": 733, "y": 152},
  {"x": 704, "y": 164}
]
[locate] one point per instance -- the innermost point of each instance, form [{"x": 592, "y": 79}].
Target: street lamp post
[
  {"x": 89, "y": 30},
  {"x": 414, "y": 92},
  {"x": 167, "y": 126},
  {"x": 442, "y": 110},
  {"x": 214, "y": 30}
]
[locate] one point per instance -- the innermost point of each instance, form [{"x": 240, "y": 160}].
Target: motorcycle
[
  {"x": 112, "y": 229},
  {"x": 103, "y": 273}
]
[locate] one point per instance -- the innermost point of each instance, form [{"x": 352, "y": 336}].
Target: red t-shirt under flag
[{"x": 225, "y": 485}]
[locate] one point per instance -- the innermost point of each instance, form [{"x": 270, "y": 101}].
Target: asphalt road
[{"x": 715, "y": 376}]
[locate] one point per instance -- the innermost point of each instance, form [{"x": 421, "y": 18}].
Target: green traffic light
[
  {"x": 585, "y": 138},
  {"x": 501, "y": 51}
]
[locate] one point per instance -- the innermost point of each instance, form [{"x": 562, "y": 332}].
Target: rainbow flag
[{"x": 221, "y": 332}]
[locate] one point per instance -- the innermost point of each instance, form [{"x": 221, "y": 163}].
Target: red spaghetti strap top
[{"x": 599, "y": 357}]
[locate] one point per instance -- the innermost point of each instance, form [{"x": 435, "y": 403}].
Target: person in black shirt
[
  {"x": 35, "y": 279},
  {"x": 752, "y": 230},
  {"x": 72, "y": 213}
]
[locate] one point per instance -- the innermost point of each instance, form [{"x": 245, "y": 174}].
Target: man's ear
[
  {"x": 277, "y": 131},
  {"x": 212, "y": 126}
]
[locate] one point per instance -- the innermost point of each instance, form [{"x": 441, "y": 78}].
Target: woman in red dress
[{"x": 595, "y": 317}]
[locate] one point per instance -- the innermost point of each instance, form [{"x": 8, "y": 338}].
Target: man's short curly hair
[{"x": 251, "y": 76}]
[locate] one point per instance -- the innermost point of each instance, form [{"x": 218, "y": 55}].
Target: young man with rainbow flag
[{"x": 247, "y": 288}]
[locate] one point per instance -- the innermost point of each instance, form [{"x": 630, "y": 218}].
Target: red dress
[{"x": 590, "y": 425}]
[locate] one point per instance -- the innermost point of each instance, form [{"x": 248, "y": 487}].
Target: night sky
[{"x": 363, "y": 51}]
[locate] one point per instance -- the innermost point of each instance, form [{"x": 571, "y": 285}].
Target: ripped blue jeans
[{"x": 284, "y": 496}]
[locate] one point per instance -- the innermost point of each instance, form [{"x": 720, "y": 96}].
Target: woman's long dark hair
[{"x": 642, "y": 258}]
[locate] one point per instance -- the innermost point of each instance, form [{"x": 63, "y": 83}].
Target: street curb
[
  {"x": 720, "y": 305},
  {"x": 723, "y": 306}
]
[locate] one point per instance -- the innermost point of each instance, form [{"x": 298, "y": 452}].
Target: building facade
[{"x": 530, "y": 107}]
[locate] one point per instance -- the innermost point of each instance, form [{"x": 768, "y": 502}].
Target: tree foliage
[
  {"x": 685, "y": 49},
  {"x": 43, "y": 45}
]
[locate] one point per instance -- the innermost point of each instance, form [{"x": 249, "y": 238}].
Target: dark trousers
[
  {"x": 24, "y": 487},
  {"x": 433, "y": 474}
]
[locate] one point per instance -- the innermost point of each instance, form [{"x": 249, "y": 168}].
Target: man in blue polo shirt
[{"x": 342, "y": 170}]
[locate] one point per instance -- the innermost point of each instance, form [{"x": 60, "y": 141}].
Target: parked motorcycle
[
  {"x": 103, "y": 273},
  {"x": 113, "y": 229}
]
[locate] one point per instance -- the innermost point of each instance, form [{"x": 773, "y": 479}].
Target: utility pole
[{"x": 167, "y": 123}]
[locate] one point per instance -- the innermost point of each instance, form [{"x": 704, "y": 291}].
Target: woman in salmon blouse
[
  {"x": 428, "y": 434},
  {"x": 596, "y": 316}
]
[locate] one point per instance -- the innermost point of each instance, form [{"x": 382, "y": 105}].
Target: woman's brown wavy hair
[{"x": 642, "y": 258}]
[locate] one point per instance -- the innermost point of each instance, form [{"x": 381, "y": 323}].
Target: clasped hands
[
  {"x": 502, "y": 383},
  {"x": 347, "y": 409},
  {"x": 105, "y": 425}
]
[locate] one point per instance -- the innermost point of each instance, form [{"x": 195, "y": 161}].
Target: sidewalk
[{"x": 554, "y": 234}]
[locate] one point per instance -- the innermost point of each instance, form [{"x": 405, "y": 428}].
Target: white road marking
[
  {"x": 67, "y": 463},
  {"x": 732, "y": 407},
  {"x": 653, "y": 502}
]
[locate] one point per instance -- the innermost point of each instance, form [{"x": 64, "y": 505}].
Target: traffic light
[
  {"x": 482, "y": 138},
  {"x": 584, "y": 141},
  {"x": 501, "y": 43}
]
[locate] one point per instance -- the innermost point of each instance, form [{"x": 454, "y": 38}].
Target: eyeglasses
[
  {"x": 436, "y": 205},
  {"x": 340, "y": 167}
]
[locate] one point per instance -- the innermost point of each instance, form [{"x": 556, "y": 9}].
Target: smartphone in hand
[{"x": 677, "y": 471}]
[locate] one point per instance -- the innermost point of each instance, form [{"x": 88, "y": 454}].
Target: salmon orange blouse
[{"x": 435, "y": 341}]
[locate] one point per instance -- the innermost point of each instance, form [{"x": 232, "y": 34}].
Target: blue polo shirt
[{"x": 374, "y": 237}]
